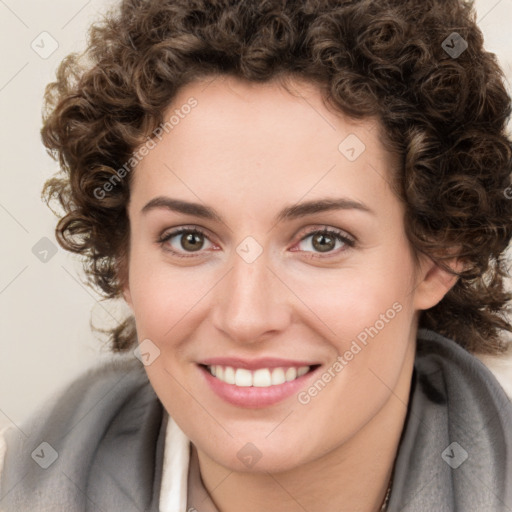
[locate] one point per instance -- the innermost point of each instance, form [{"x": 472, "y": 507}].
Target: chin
[{"x": 254, "y": 457}]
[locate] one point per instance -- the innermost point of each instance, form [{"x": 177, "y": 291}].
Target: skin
[{"x": 248, "y": 150}]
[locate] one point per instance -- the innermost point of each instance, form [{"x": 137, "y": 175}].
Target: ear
[
  {"x": 434, "y": 283},
  {"x": 122, "y": 272},
  {"x": 127, "y": 295}
]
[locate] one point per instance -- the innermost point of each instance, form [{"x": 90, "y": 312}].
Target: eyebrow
[{"x": 288, "y": 213}]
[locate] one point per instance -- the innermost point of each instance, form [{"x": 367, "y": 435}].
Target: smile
[
  {"x": 256, "y": 384},
  {"x": 261, "y": 378}
]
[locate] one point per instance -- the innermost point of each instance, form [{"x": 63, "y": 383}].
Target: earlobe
[{"x": 435, "y": 284}]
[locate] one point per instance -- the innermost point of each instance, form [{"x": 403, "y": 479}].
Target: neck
[{"x": 354, "y": 476}]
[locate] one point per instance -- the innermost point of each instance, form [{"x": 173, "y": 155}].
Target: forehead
[
  {"x": 242, "y": 137},
  {"x": 295, "y": 113}
]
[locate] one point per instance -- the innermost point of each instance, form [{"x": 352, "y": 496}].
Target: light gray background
[{"x": 45, "y": 337}]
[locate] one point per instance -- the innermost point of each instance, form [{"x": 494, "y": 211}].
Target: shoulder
[
  {"x": 450, "y": 376},
  {"x": 76, "y": 426},
  {"x": 102, "y": 388},
  {"x": 456, "y": 446},
  {"x": 501, "y": 367},
  {"x": 438, "y": 355}
]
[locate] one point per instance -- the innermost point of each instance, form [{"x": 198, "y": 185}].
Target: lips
[
  {"x": 256, "y": 383},
  {"x": 254, "y": 364}
]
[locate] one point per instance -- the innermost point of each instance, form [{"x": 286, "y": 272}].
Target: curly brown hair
[{"x": 444, "y": 113}]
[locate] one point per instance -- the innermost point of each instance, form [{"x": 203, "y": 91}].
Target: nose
[{"x": 250, "y": 302}]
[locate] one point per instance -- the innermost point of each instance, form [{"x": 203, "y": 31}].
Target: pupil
[
  {"x": 192, "y": 239},
  {"x": 322, "y": 246}
]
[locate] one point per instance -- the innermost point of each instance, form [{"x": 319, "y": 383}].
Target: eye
[
  {"x": 187, "y": 239},
  {"x": 192, "y": 240},
  {"x": 325, "y": 240}
]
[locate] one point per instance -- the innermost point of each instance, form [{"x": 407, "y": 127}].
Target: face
[{"x": 267, "y": 248}]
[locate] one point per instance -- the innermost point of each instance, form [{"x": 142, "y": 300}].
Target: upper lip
[{"x": 254, "y": 364}]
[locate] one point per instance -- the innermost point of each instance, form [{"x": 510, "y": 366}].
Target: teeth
[
  {"x": 229, "y": 375},
  {"x": 278, "y": 376},
  {"x": 302, "y": 371},
  {"x": 291, "y": 374},
  {"x": 261, "y": 378},
  {"x": 243, "y": 378}
]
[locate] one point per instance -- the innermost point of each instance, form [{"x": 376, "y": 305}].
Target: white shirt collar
[{"x": 173, "y": 492}]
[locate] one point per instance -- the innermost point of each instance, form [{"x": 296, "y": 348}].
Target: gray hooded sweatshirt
[{"x": 102, "y": 441}]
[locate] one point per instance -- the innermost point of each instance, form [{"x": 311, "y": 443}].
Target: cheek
[
  {"x": 359, "y": 298},
  {"x": 366, "y": 315},
  {"x": 161, "y": 293}
]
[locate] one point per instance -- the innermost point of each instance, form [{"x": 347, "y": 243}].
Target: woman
[{"x": 305, "y": 206}]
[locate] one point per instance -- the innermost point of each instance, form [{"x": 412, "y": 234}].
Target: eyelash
[{"x": 337, "y": 235}]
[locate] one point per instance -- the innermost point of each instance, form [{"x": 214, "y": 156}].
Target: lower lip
[{"x": 252, "y": 397}]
